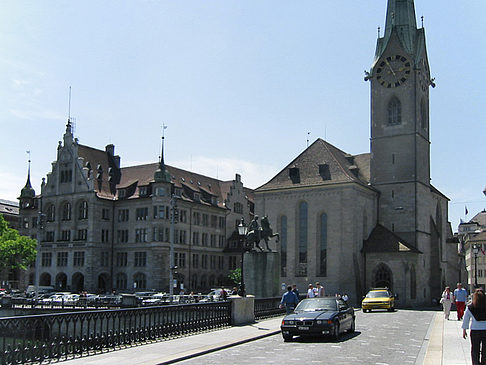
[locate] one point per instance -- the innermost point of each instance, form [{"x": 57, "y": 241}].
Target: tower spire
[
  {"x": 400, "y": 17},
  {"x": 27, "y": 191},
  {"x": 161, "y": 174}
]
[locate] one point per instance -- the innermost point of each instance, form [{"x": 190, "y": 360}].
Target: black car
[{"x": 326, "y": 316}]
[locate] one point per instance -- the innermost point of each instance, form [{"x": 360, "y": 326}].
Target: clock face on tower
[{"x": 393, "y": 71}]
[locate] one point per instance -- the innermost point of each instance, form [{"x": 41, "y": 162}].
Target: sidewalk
[
  {"x": 446, "y": 345},
  {"x": 169, "y": 351}
]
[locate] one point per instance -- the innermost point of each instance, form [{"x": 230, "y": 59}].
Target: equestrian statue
[{"x": 256, "y": 234}]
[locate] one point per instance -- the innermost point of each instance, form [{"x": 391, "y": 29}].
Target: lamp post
[
  {"x": 475, "y": 248},
  {"x": 242, "y": 231}
]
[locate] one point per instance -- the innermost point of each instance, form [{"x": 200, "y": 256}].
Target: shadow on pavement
[{"x": 323, "y": 339}]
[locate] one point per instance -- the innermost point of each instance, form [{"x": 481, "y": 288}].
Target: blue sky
[{"x": 238, "y": 83}]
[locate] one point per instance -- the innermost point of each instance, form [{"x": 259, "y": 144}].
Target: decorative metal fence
[
  {"x": 267, "y": 307},
  {"x": 39, "y": 338}
]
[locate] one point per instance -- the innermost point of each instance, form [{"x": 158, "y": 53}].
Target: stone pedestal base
[
  {"x": 262, "y": 274},
  {"x": 242, "y": 310}
]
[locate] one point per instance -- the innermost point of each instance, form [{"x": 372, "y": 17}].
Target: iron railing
[
  {"x": 40, "y": 338},
  {"x": 267, "y": 307}
]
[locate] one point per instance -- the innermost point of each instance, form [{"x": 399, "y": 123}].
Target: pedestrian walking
[
  {"x": 460, "y": 296},
  {"x": 320, "y": 292},
  {"x": 476, "y": 314},
  {"x": 289, "y": 300},
  {"x": 446, "y": 300},
  {"x": 311, "y": 292}
]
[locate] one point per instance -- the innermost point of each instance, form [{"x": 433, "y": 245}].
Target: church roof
[
  {"x": 322, "y": 164},
  {"x": 383, "y": 240},
  {"x": 94, "y": 159}
]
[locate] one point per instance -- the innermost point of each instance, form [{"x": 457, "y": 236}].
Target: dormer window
[
  {"x": 161, "y": 191},
  {"x": 122, "y": 193},
  {"x": 177, "y": 192},
  {"x": 324, "y": 172},
  {"x": 143, "y": 191},
  {"x": 197, "y": 196},
  {"x": 294, "y": 175}
]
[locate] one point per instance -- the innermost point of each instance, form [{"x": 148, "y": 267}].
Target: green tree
[
  {"x": 16, "y": 251},
  {"x": 235, "y": 276}
]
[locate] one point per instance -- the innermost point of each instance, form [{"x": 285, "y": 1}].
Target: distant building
[
  {"x": 107, "y": 227},
  {"x": 472, "y": 240},
  {"x": 10, "y": 211}
]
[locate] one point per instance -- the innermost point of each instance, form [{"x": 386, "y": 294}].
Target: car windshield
[
  {"x": 318, "y": 304},
  {"x": 377, "y": 294}
]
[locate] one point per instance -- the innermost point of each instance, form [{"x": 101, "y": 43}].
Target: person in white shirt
[
  {"x": 476, "y": 314},
  {"x": 320, "y": 290},
  {"x": 446, "y": 300},
  {"x": 311, "y": 293}
]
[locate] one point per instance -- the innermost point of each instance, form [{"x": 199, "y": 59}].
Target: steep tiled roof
[
  {"x": 322, "y": 164},
  {"x": 144, "y": 175},
  {"x": 382, "y": 239}
]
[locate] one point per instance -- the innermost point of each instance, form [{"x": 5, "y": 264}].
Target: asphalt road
[{"x": 381, "y": 338}]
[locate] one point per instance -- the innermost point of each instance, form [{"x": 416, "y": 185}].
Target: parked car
[
  {"x": 379, "y": 298},
  {"x": 326, "y": 316},
  {"x": 56, "y": 298},
  {"x": 215, "y": 295}
]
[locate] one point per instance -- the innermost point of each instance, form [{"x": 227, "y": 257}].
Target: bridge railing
[{"x": 36, "y": 338}]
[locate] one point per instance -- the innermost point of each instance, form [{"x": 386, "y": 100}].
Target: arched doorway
[
  {"x": 383, "y": 277},
  {"x": 78, "y": 282},
  {"x": 45, "y": 279},
  {"x": 103, "y": 282},
  {"x": 61, "y": 281}
]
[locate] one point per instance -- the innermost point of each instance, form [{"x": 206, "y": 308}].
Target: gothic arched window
[
  {"x": 423, "y": 115},
  {"x": 83, "y": 210},
  {"x": 66, "y": 212},
  {"x": 51, "y": 213},
  {"x": 303, "y": 232},
  {"x": 323, "y": 245},
  {"x": 394, "y": 111},
  {"x": 283, "y": 245}
]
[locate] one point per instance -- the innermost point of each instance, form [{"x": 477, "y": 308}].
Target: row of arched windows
[{"x": 65, "y": 209}]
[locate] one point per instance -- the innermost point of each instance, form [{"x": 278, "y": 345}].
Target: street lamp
[
  {"x": 242, "y": 231},
  {"x": 475, "y": 249}
]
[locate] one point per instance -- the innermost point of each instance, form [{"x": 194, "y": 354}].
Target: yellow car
[{"x": 378, "y": 298}]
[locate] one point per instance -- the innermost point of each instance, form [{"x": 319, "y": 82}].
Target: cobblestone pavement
[{"x": 381, "y": 338}]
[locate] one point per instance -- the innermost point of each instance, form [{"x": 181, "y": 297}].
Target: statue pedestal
[{"x": 262, "y": 274}]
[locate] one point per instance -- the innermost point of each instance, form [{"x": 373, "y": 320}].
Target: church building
[{"x": 371, "y": 220}]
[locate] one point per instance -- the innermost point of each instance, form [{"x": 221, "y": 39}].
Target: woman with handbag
[{"x": 447, "y": 300}]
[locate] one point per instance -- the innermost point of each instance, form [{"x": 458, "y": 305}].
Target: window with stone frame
[
  {"x": 140, "y": 259},
  {"x": 78, "y": 258},
  {"x": 141, "y": 214},
  {"x": 65, "y": 235},
  {"x": 51, "y": 213},
  {"x": 46, "y": 259},
  {"x": 66, "y": 212},
  {"x": 394, "y": 110},
  {"x": 62, "y": 259},
  {"x": 105, "y": 214},
  {"x": 83, "y": 210},
  {"x": 121, "y": 280},
  {"x": 195, "y": 260},
  {"x": 122, "y": 259},
  {"x": 123, "y": 215}
]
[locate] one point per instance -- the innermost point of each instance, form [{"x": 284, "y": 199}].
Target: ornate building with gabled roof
[
  {"x": 105, "y": 227},
  {"x": 355, "y": 222}
]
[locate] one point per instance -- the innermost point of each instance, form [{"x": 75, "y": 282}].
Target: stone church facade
[{"x": 371, "y": 220}]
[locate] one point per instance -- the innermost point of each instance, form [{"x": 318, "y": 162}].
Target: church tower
[{"x": 400, "y": 143}]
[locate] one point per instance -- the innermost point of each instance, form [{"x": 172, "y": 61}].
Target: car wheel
[
  {"x": 287, "y": 338},
  {"x": 391, "y": 309},
  {"x": 335, "y": 334},
  {"x": 353, "y": 326}
]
